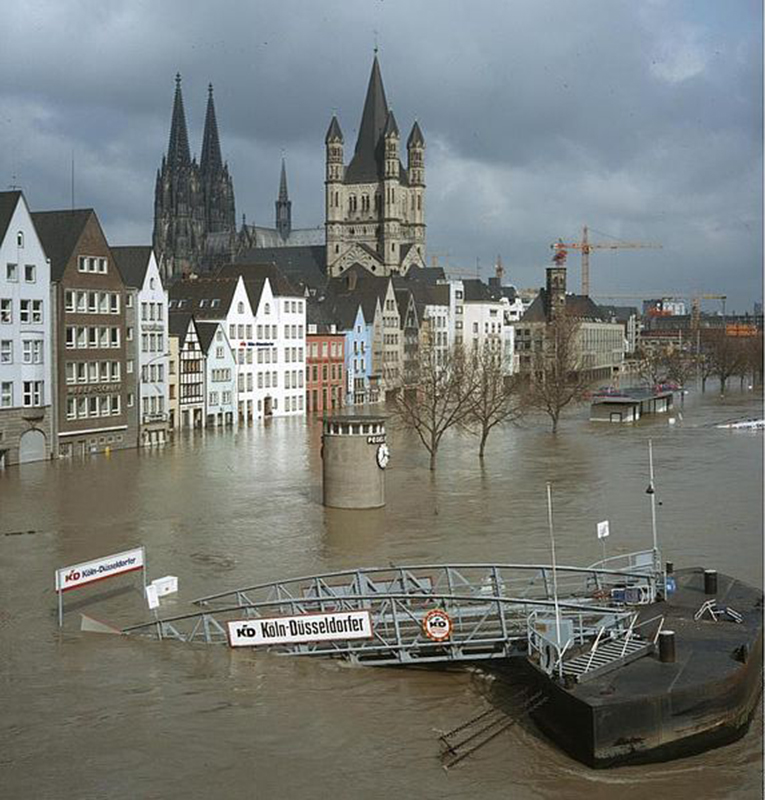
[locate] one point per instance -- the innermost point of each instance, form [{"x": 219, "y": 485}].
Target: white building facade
[
  {"x": 220, "y": 367},
  {"x": 27, "y": 422}
]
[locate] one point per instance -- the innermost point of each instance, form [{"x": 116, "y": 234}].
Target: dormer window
[
  {"x": 20, "y": 239},
  {"x": 203, "y": 303},
  {"x": 214, "y": 303},
  {"x": 267, "y": 309},
  {"x": 152, "y": 282}
]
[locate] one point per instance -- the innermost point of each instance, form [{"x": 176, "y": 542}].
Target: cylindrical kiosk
[{"x": 354, "y": 454}]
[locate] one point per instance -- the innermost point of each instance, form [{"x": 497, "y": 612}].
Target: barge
[{"x": 621, "y": 701}]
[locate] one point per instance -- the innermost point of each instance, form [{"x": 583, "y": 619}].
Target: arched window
[
  {"x": 419, "y": 202},
  {"x": 267, "y": 308},
  {"x": 20, "y": 239},
  {"x": 240, "y": 307}
]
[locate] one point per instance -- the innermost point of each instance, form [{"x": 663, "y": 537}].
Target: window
[
  {"x": 129, "y": 301},
  {"x": 12, "y": 272},
  {"x": 26, "y": 308},
  {"x": 115, "y": 404},
  {"x": 29, "y": 273},
  {"x": 20, "y": 239},
  {"x": 92, "y": 371},
  {"x": 6, "y": 351},
  {"x": 129, "y": 366},
  {"x": 102, "y": 265},
  {"x": 33, "y": 393},
  {"x": 240, "y": 307},
  {"x": 129, "y": 334},
  {"x": 71, "y": 408},
  {"x": 70, "y": 375},
  {"x": 267, "y": 308},
  {"x": 232, "y": 331},
  {"x": 130, "y": 399},
  {"x": 115, "y": 337},
  {"x": 93, "y": 406},
  {"x": 93, "y": 302},
  {"x": 37, "y": 311},
  {"x": 6, "y": 310},
  {"x": 114, "y": 303},
  {"x": 6, "y": 394},
  {"x": 92, "y": 337},
  {"x": 31, "y": 351}
]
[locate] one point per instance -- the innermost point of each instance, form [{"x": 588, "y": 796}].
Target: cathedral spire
[
  {"x": 178, "y": 147},
  {"x": 283, "y": 184},
  {"x": 283, "y": 206},
  {"x": 211, "y": 161}
]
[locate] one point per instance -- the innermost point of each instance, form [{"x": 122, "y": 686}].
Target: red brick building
[{"x": 324, "y": 370}]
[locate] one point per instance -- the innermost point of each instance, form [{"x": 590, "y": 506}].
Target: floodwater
[{"x": 84, "y": 715}]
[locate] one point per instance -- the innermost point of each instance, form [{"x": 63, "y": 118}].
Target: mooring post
[
  {"x": 710, "y": 581},
  {"x": 667, "y": 647}
]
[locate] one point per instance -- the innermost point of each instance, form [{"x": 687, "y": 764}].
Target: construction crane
[
  {"x": 586, "y": 246},
  {"x": 499, "y": 270},
  {"x": 696, "y": 307}
]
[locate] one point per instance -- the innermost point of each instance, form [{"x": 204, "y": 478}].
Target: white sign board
[
  {"x": 603, "y": 529},
  {"x": 151, "y": 596},
  {"x": 89, "y": 571},
  {"x": 300, "y": 628}
]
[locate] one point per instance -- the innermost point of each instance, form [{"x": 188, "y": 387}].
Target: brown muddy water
[{"x": 92, "y": 716}]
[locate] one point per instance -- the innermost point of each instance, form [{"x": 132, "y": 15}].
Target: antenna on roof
[
  {"x": 376, "y": 43},
  {"x": 13, "y": 186},
  {"x": 72, "y": 182}
]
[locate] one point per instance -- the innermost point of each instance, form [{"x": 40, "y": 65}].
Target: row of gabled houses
[{"x": 97, "y": 354}]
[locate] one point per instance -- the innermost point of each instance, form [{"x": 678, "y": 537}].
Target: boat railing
[{"x": 641, "y": 562}]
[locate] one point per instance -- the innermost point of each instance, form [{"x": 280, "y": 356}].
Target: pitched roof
[
  {"x": 206, "y": 333},
  {"x": 477, "y": 290},
  {"x": 259, "y": 271},
  {"x": 334, "y": 134},
  {"x": 619, "y": 313},
  {"x": 178, "y": 325},
  {"x": 132, "y": 262},
  {"x": 304, "y": 266},
  {"x": 8, "y": 203},
  {"x": 199, "y": 295},
  {"x": 577, "y": 305},
  {"x": 59, "y": 232},
  {"x": 416, "y": 139}
]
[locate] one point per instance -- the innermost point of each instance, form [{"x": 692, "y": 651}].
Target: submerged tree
[
  {"x": 726, "y": 354},
  {"x": 442, "y": 399},
  {"x": 557, "y": 377},
  {"x": 496, "y": 396}
]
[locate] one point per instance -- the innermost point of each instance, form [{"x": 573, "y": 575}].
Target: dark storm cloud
[{"x": 641, "y": 119}]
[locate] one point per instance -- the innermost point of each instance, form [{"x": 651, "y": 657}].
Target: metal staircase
[{"x": 606, "y": 658}]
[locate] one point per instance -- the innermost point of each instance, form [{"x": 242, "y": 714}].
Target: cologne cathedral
[{"x": 194, "y": 213}]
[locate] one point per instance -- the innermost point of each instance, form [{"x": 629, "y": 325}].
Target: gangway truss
[{"x": 488, "y": 605}]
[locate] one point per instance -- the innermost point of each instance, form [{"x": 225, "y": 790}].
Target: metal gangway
[{"x": 488, "y": 606}]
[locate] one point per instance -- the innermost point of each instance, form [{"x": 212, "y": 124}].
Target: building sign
[
  {"x": 300, "y": 629},
  {"x": 437, "y": 625},
  {"x": 378, "y": 438},
  {"x": 90, "y": 571}
]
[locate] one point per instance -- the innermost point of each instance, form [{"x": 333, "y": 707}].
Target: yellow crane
[{"x": 586, "y": 246}]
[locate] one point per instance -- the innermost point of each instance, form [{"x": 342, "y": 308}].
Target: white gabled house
[
  {"x": 220, "y": 372},
  {"x": 26, "y": 350}
]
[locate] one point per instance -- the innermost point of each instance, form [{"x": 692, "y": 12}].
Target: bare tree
[
  {"x": 681, "y": 365},
  {"x": 442, "y": 399},
  {"x": 557, "y": 377},
  {"x": 652, "y": 364},
  {"x": 726, "y": 354},
  {"x": 496, "y": 396}
]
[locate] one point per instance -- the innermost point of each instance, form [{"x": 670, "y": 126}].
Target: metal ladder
[{"x": 482, "y": 729}]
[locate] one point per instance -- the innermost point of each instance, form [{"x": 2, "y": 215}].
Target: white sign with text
[
  {"x": 301, "y": 628},
  {"x": 89, "y": 571},
  {"x": 603, "y": 529}
]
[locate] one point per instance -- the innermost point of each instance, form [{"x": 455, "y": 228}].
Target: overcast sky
[{"x": 641, "y": 119}]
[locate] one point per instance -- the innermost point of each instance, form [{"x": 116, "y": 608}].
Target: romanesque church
[{"x": 374, "y": 206}]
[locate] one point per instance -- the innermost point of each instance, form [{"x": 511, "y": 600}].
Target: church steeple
[
  {"x": 211, "y": 161},
  {"x": 366, "y": 163},
  {"x": 178, "y": 147},
  {"x": 283, "y": 206}
]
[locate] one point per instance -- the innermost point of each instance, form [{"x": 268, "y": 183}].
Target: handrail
[
  {"x": 629, "y": 635},
  {"x": 585, "y": 571},
  {"x": 594, "y": 649}
]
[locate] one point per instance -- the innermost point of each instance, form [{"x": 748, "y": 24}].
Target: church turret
[
  {"x": 415, "y": 146},
  {"x": 391, "y": 138},
  {"x": 211, "y": 161},
  {"x": 283, "y": 206},
  {"x": 217, "y": 187}
]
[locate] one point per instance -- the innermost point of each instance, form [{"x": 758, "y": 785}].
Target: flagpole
[
  {"x": 651, "y": 490},
  {"x": 554, "y": 570}
]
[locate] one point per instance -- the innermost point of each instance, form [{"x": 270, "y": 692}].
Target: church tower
[
  {"x": 283, "y": 207},
  {"x": 375, "y": 207},
  {"x": 179, "y": 224}
]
